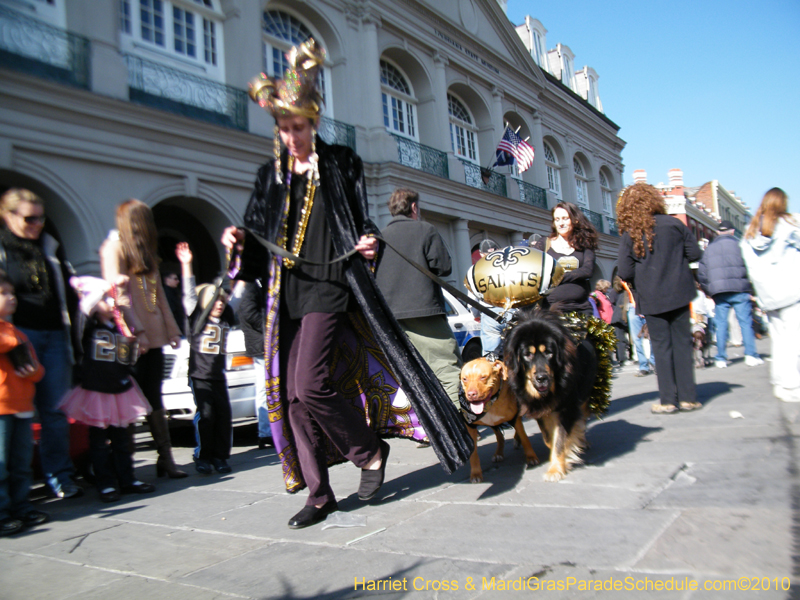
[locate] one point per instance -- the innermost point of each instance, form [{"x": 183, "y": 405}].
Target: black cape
[{"x": 346, "y": 209}]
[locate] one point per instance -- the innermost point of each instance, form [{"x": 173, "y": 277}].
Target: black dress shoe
[
  {"x": 371, "y": 481},
  {"x": 109, "y": 495},
  {"x": 311, "y": 515},
  {"x": 265, "y": 442},
  {"x": 138, "y": 487}
]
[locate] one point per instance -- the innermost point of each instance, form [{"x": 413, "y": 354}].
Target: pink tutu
[{"x": 102, "y": 410}]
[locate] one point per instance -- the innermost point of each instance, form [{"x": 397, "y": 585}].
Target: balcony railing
[
  {"x": 611, "y": 226},
  {"x": 36, "y": 48},
  {"x": 495, "y": 182},
  {"x": 421, "y": 157},
  {"x": 533, "y": 195},
  {"x": 156, "y": 85},
  {"x": 595, "y": 219},
  {"x": 336, "y": 132}
]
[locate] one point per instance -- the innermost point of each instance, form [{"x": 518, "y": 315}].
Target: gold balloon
[{"x": 513, "y": 276}]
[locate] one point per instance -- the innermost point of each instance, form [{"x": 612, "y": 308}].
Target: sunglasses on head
[{"x": 32, "y": 219}]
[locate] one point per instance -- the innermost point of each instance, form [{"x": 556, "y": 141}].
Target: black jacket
[
  {"x": 409, "y": 293},
  {"x": 661, "y": 280},
  {"x": 722, "y": 269},
  {"x": 251, "y": 318}
]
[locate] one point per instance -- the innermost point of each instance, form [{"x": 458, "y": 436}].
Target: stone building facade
[{"x": 103, "y": 100}]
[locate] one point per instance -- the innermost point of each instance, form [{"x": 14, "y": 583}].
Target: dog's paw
[
  {"x": 532, "y": 461},
  {"x": 554, "y": 475},
  {"x": 497, "y": 458},
  {"x": 476, "y": 477}
]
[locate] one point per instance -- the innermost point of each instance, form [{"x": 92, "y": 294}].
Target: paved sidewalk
[{"x": 695, "y": 499}]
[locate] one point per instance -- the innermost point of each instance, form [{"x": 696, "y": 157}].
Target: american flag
[{"x": 514, "y": 146}]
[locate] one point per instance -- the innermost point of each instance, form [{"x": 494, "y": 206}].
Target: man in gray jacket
[
  {"x": 416, "y": 301},
  {"x": 723, "y": 276}
]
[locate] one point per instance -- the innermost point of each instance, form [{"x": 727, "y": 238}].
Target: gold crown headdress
[{"x": 296, "y": 93}]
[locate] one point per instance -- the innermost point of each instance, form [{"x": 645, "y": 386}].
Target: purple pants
[{"x": 315, "y": 409}]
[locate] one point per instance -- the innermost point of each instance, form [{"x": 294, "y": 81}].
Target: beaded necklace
[
  {"x": 146, "y": 284},
  {"x": 118, "y": 318},
  {"x": 305, "y": 211}
]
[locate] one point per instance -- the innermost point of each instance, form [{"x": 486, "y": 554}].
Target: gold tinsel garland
[{"x": 604, "y": 340}]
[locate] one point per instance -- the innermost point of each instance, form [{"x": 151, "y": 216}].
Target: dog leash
[{"x": 283, "y": 253}]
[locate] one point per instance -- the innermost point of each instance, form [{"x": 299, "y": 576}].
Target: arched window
[
  {"x": 281, "y": 32},
  {"x": 462, "y": 130},
  {"x": 399, "y": 104},
  {"x": 188, "y": 30},
  {"x": 605, "y": 188},
  {"x": 581, "y": 188},
  {"x": 551, "y": 163}
]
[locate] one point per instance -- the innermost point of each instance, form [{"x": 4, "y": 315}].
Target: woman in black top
[
  {"x": 571, "y": 243},
  {"x": 36, "y": 265},
  {"x": 654, "y": 256}
]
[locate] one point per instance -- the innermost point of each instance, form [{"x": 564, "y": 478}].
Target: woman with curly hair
[
  {"x": 654, "y": 256},
  {"x": 572, "y": 242}
]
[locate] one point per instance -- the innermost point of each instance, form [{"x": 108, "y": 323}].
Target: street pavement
[{"x": 666, "y": 506}]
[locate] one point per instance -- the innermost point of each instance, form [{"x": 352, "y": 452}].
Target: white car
[
  {"x": 466, "y": 328},
  {"x": 177, "y": 395},
  {"x": 239, "y": 372}
]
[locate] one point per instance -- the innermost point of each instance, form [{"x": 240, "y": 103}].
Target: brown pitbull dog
[{"x": 486, "y": 399}]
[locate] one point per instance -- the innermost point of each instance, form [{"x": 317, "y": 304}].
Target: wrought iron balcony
[
  {"x": 595, "y": 219},
  {"x": 35, "y": 48},
  {"x": 421, "y": 157},
  {"x": 159, "y": 86},
  {"x": 531, "y": 194},
  {"x": 336, "y": 132},
  {"x": 611, "y": 226},
  {"x": 484, "y": 179}
]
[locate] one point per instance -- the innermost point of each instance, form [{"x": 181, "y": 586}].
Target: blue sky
[{"x": 707, "y": 86}]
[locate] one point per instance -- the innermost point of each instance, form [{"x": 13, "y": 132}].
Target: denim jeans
[
  {"x": 261, "y": 398},
  {"x": 491, "y": 332},
  {"x": 740, "y": 302},
  {"x": 52, "y": 350},
  {"x": 635, "y": 323},
  {"x": 16, "y": 474}
]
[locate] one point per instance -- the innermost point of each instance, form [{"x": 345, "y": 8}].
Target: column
[
  {"x": 462, "y": 261},
  {"x": 100, "y": 23},
  {"x": 538, "y": 172}
]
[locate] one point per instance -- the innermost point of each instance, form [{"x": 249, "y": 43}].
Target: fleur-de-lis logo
[{"x": 507, "y": 257}]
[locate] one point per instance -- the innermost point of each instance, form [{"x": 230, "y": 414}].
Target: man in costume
[{"x": 340, "y": 373}]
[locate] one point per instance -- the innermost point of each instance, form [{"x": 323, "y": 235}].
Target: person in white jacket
[{"x": 771, "y": 251}]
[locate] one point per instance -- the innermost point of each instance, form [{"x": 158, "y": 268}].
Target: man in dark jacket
[
  {"x": 416, "y": 301},
  {"x": 723, "y": 276}
]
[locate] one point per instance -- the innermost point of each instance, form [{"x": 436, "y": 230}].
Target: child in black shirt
[
  {"x": 107, "y": 398},
  {"x": 209, "y": 321}
]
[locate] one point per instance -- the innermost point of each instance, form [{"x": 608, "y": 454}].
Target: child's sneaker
[
  {"x": 34, "y": 517},
  {"x": 10, "y": 526},
  {"x": 221, "y": 465}
]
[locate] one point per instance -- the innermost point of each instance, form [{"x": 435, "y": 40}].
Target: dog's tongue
[{"x": 476, "y": 407}]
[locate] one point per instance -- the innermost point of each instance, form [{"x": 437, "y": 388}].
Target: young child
[
  {"x": 209, "y": 321},
  {"x": 19, "y": 371},
  {"x": 107, "y": 398}
]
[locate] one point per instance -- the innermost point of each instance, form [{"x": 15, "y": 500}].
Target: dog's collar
[{"x": 470, "y": 416}]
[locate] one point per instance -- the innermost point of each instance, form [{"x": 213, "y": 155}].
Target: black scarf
[{"x": 26, "y": 265}]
